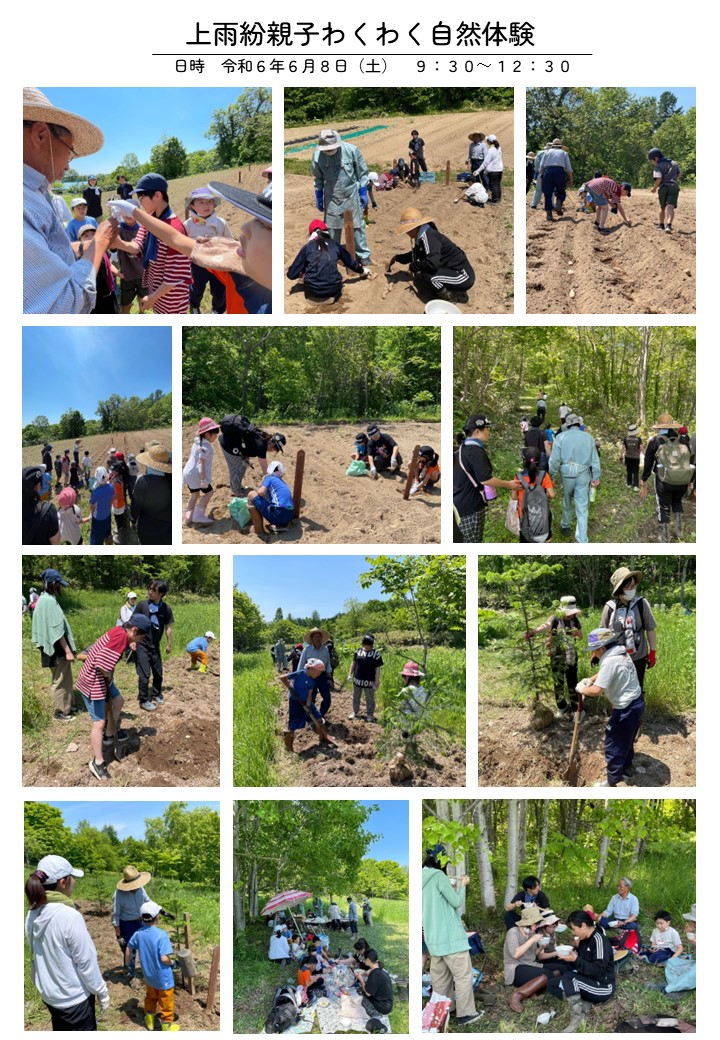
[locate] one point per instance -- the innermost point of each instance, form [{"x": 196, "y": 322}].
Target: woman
[
  {"x": 473, "y": 482},
  {"x": 367, "y": 912},
  {"x": 279, "y": 950},
  {"x": 450, "y": 964},
  {"x": 242, "y": 441},
  {"x": 492, "y": 165},
  {"x": 334, "y": 915},
  {"x": 631, "y": 616},
  {"x": 128, "y": 897},
  {"x": 151, "y": 507},
  {"x": 377, "y": 987},
  {"x": 93, "y": 197},
  {"x": 40, "y": 525},
  {"x": 590, "y": 972},
  {"x": 520, "y": 957},
  {"x": 128, "y": 608},
  {"x": 53, "y": 637},
  {"x": 64, "y": 964},
  {"x": 563, "y": 630}
]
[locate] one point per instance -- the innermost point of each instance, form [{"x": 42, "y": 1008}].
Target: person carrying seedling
[
  {"x": 563, "y": 629},
  {"x": 301, "y": 686},
  {"x": 198, "y": 650},
  {"x": 156, "y": 960}
]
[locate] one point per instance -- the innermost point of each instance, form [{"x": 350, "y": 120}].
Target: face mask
[{"x": 628, "y": 593}]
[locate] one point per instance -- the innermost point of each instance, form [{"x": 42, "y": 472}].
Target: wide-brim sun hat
[
  {"x": 573, "y": 420},
  {"x": 412, "y": 671},
  {"x": 259, "y": 206},
  {"x": 620, "y": 576},
  {"x": 476, "y": 133},
  {"x": 156, "y": 456},
  {"x": 666, "y": 422},
  {"x": 328, "y": 140},
  {"x": 207, "y": 425},
  {"x": 692, "y": 916},
  {"x": 324, "y": 636},
  {"x": 531, "y": 914},
  {"x": 633, "y": 428},
  {"x": 557, "y": 143},
  {"x": 409, "y": 219},
  {"x": 87, "y": 138},
  {"x": 569, "y": 605},
  {"x": 133, "y": 878},
  {"x": 550, "y": 917},
  {"x": 600, "y": 637}
]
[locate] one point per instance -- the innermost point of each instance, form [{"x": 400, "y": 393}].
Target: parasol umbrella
[{"x": 284, "y": 901}]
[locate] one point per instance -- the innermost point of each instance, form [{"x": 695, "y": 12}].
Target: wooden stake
[
  {"x": 297, "y": 487},
  {"x": 447, "y": 173},
  {"x": 349, "y": 232},
  {"x": 186, "y": 915},
  {"x": 212, "y": 983},
  {"x": 412, "y": 471}
]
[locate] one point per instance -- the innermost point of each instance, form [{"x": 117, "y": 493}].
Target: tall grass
[{"x": 255, "y": 701}]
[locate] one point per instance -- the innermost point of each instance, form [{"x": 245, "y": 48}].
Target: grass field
[{"x": 255, "y": 978}]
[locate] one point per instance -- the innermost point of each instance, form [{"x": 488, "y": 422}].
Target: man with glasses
[{"x": 55, "y": 280}]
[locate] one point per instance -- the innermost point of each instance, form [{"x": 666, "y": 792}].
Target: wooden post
[
  {"x": 297, "y": 487},
  {"x": 447, "y": 173},
  {"x": 212, "y": 983},
  {"x": 186, "y": 915},
  {"x": 349, "y": 232},
  {"x": 412, "y": 471}
]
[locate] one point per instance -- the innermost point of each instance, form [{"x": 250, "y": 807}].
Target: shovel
[
  {"x": 571, "y": 773},
  {"x": 115, "y": 722}
]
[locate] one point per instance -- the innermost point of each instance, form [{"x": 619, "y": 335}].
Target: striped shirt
[
  {"x": 54, "y": 282},
  {"x": 105, "y": 654},
  {"x": 170, "y": 268},
  {"x": 607, "y": 188}
]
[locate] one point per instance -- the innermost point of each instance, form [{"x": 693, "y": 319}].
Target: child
[
  {"x": 316, "y": 264},
  {"x": 70, "y": 518},
  {"x": 156, "y": 960},
  {"x": 428, "y": 471},
  {"x": 101, "y": 499},
  {"x": 118, "y": 502},
  {"x": 414, "y": 692},
  {"x": 132, "y": 474},
  {"x": 301, "y": 687},
  {"x": 75, "y": 481},
  {"x": 529, "y": 478},
  {"x": 106, "y": 300},
  {"x": 475, "y": 194},
  {"x": 65, "y": 464},
  {"x": 45, "y": 482},
  {"x": 197, "y": 648},
  {"x": 272, "y": 501},
  {"x": 198, "y": 472},
  {"x": 437, "y": 264},
  {"x": 296, "y": 949},
  {"x": 203, "y": 222},
  {"x": 310, "y": 980},
  {"x": 131, "y": 266},
  {"x": 665, "y": 943},
  {"x": 365, "y": 676},
  {"x": 58, "y": 469},
  {"x": 361, "y": 449},
  {"x": 524, "y": 424},
  {"x": 79, "y": 219},
  {"x": 383, "y": 451},
  {"x": 416, "y": 150},
  {"x": 630, "y": 455}
]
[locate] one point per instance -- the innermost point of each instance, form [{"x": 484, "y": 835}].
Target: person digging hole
[{"x": 301, "y": 687}]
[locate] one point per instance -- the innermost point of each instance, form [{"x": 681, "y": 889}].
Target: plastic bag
[
  {"x": 238, "y": 509},
  {"x": 512, "y": 519},
  {"x": 357, "y": 468}
]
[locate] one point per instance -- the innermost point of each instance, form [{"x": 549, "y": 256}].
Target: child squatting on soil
[
  {"x": 316, "y": 265},
  {"x": 198, "y": 473},
  {"x": 272, "y": 501},
  {"x": 156, "y": 960},
  {"x": 198, "y": 650},
  {"x": 428, "y": 471},
  {"x": 301, "y": 687}
]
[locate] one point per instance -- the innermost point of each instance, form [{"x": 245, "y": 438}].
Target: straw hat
[
  {"x": 666, "y": 422},
  {"x": 476, "y": 133},
  {"x": 133, "y": 878},
  {"x": 324, "y": 636},
  {"x": 87, "y": 138},
  {"x": 409, "y": 219},
  {"x": 530, "y": 155},
  {"x": 531, "y": 914},
  {"x": 157, "y": 456},
  {"x": 557, "y": 143}
]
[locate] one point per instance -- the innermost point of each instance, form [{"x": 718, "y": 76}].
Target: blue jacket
[{"x": 574, "y": 454}]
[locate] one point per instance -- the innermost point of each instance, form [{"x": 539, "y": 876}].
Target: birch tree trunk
[
  {"x": 522, "y": 830},
  {"x": 253, "y": 892},
  {"x": 616, "y": 872},
  {"x": 482, "y": 853},
  {"x": 238, "y": 885},
  {"x": 511, "y": 882},
  {"x": 602, "y": 861},
  {"x": 460, "y": 869},
  {"x": 543, "y": 838},
  {"x": 642, "y": 374}
]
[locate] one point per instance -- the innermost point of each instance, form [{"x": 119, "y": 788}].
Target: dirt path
[
  {"x": 484, "y": 234},
  {"x": 572, "y": 269},
  {"x": 511, "y": 753},
  {"x": 335, "y": 508},
  {"x": 176, "y": 745},
  {"x": 355, "y": 762},
  {"x": 126, "y": 1000}
]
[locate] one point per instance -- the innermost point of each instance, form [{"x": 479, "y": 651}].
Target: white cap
[
  {"x": 314, "y": 662},
  {"x": 56, "y": 868},
  {"x": 373, "y": 177},
  {"x": 150, "y": 909},
  {"x": 276, "y": 467},
  {"x": 210, "y": 635},
  {"x": 132, "y": 595},
  {"x": 101, "y": 474},
  {"x": 78, "y": 202}
]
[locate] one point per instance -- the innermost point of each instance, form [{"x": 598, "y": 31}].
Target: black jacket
[
  {"x": 317, "y": 261},
  {"x": 595, "y": 958},
  {"x": 432, "y": 251}
]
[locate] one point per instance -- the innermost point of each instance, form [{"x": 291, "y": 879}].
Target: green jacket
[
  {"x": 49, "y": 624},
  {"x": 443, "y": 929}
]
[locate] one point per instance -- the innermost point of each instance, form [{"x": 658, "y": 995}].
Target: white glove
[
  {"x": 104, "y": 1001},
  {"x": 373, "y": 471},
  {"x": 121, "y": 208},
  {"x": 582, "y": 685},
  {"x": 393, "y": 463}
]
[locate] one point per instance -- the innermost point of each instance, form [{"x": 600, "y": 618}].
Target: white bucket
[{"x": 441, "y": 307}]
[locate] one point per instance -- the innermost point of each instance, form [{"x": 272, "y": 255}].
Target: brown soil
[
  {"x": 484, "y": 234},
  {"x": 512, "y": 754},
  {"x": 572, "y": 269},
  {"x": 126, "y": 1000},
  {"x": 98, "y": 445},
  {"x": 356, "y": 761},
  {"x": 335, "y": 508},
  {"x": 175, "y": 746}
]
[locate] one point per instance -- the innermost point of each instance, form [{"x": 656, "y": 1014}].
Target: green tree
[
  {"x": 45, "y": 832},
  {"x": 242, "y": 132},
  {"x": 129, "y": 166},
  {"x": 72, "y": 424},
  {"x": 248, "y": 623},
  {"x": 169, "y": 158}
]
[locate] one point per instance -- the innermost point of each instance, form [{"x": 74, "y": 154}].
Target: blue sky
[
  {"x": 685, "y": 95},
  {"x": 301, "y": 584},
  {"x": 133, "y": 119},
  {"x": 76, "y": 366},
  {"x": 392, "y": 822},
  {"x": 128, "y": 818}
]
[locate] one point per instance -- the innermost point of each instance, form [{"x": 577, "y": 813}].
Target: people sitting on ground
[
  {"x": 297, "y": 949},
  {"x": 437, "y": 264},
  {"x": 428, "y": 470},
  {"x": 272, "y": 501},
  {"x": 279, "y": 950},
  {"x": 530, "y": 894},
  {"x": 376, "y": 985},
  {"x": 665, "y": 942},
  {"x": 316, "y": 265},
  {"x": 308, "y": 977},
  {"x": 361, "y": 449},
  {"x": 590, "y": 975},
  {"x": 383, "y": 452},
  {"x": 546, "y": 944},
  {"x": 622, "y": 910},
  {"x": 520, "y": 960}
]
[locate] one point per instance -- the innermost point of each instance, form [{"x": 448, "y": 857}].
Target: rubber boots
[
  {"x": 199, "y": 513},
  {"x": 578, "y": 1011},
  {"x": 529, "y": 989},
  {"x": 150, "y": 1021},
  {"x": 289, "y": 739},
  {"x": 169, "y": 1027},
  {"x": 677, "y": 520},
  {"x": 664, "y": 532},
  {"x": 202, "y": 668}
]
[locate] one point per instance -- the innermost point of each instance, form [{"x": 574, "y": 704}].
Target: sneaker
[
  {"x": 122, "y": 738},
  {"x": 565, "y": 530},
  {"x": 352, "y": 715},
  {"x": 371, "y": 718},
  {"x": 636, "y": 490},
  {"x": 602, "y": 783},
  {"x": 467, "y": 1020},
  {"x": 660, "y": 227},
  {"x": 99, "y": 770},
  {"x": 158, "y": 698},
  {"x": 668, "y": 227},
  {"x": 147, "y": 705},
  {"x": 61, "y": 716}
]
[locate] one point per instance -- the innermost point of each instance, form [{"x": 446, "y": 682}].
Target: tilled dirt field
[
  {"x": 126, "y": 1000},
  {"x": 336, "y": 508},
  {"x": 355, "y": 761},
  {"x": 512, "y": 754},
  {"x": 572, "y": 269},
  {"x": 177, "y": 745},
  {"x": 484, "y": 234},
  {"x": 98, "y": 444}
]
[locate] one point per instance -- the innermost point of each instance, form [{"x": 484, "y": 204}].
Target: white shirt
[
  {"x": 493, "y": 162},
  {"x": 617, "y": 677},
  {"x": 70, "y": 521},
  {"x": 334, "y": 912},
  {"x": 201, "y": 449},
  {"x": 65, "y": 967},
  {"x": 669, "y": 940},
  {"x": 278, "y": 948},
  {"x": 210, "y": 227}
]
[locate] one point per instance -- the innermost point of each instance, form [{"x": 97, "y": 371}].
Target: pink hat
[
  {"x": 67, "y": 497},
  {"x": 207, "y": 425},
  {"x": 412, "y": 671}
]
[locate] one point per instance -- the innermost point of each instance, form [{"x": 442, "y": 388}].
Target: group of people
[
  {"x": 580, "y": 971},
  {"x": 63, "y": 960},
  {"x": 117, "y": 492},
  {"x": 159, "y": 261},
  {"x": 571, "y": 455}
]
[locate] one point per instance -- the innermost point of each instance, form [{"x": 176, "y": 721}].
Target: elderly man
[
  {"x": 623, "y": 908},
  {"x": 55, "y": 281},
  {"x": 341, "y": 180},
  {"x": 555, "y": 172},
  {"x": 575, "y": 458},
  {"x": 315, "y": 648}
]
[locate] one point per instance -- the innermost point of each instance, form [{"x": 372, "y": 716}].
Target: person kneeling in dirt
[
  {"x": 156, "y": 960},
  {"x": 198, "y": 650},
  {"x": 301, "y": 686},
  {"x": 617, "y": 680},
  {"x": 317, "y": 264},
  {"x": 272, "y": 501},
  {"x": 365, "y": 675},
  {"x": 438, "y": 265},
  {"x": 96, "y": 684},
  {"x": 128, "y": 898},
  {"x": 383, "y": 451}
]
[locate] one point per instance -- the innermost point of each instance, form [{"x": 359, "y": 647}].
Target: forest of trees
[
  {"x": 117, "y": 415},
  {"x": 182, "y": 844},
  {"x": 187, "y": 574},
  {"x": 610, "y": 128},
  {"x": 312, "y": 374},
  {"x": 315, "y": 104},
  {"x": 621, "y": 374}
]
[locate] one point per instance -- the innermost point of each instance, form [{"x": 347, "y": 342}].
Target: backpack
[
  {"x": 673, "y": 463},
  {"x": 623, "y": 619},
  {"x": 334, "y": 656},
  {"x": 35, "y": 526},
  {"x": 654, "y": 1024},
  {"x": 237, "y": 432},
  {"x": 284, "y": 1011},
  {"x": 535, "y": 514}
]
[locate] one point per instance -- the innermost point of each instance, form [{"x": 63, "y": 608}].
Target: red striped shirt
[
  {"x": 170, "y": 268},
  {"x": 105, "y": 653},
  {"x": 608, "y": 188}
]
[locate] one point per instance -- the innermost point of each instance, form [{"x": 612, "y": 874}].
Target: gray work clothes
[{"x": 339, "y": 176}]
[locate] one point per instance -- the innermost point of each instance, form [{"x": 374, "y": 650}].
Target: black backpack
[
  {"x": 239, "y": 434},
  {"x": 284, "y": 1011},
  {"x": 535, "y": 515}
]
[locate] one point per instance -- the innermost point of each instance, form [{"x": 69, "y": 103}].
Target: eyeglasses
[{"x": 56, "y": 134}]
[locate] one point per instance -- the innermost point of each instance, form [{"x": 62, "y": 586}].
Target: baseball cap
[
  {"x": 141, "y": 623},
  {"x": 477, "y": 422},
  {"x": 56, "y": 868},
  {"x": 150, "y": 909},
  {"x": 52, "y": 575},
  {"x": 149, "y": 183}
]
